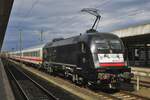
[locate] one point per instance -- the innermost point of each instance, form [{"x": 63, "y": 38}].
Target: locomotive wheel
[
  {"x": 82, "y": 82},
  {"x": 74, "y": 78},
  {"x": 78, "y": 80},
  {"x": 66, "y": 74},
  {"x": 39, "y": 66},
  {"x": 127, "y": 80}
]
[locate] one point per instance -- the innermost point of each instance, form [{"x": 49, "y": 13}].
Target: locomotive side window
[
  {"x": 115, "y": 44},
  {"x": 83, "y": 49}
]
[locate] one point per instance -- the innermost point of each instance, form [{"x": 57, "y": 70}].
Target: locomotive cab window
[
  {"x": 102, "y": 44},
  {"x": 115, "y": 44}
]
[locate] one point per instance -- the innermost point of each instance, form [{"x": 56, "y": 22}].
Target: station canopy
[{"x": 5, "y": 9}]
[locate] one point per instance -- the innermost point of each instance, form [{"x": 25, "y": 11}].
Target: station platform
[
  {"x": 144, "y": 69},
  {"x": 5, "y": 88},
  {"x": 145, "y": 72}
]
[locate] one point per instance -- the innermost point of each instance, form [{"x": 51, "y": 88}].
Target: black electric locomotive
[{"x": 92, "y": 58}]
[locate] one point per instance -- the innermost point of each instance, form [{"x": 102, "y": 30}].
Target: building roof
[
  {"x": 133, "y": 31},
  {"x": 5, "y": 9}
]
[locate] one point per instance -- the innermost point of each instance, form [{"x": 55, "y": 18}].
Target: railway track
[
  {"x": 121, "y": 95},
  {"x": 29, "y": 89}
]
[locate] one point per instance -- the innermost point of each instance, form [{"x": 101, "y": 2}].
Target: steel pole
[
  {"x": 138, "y": 83},
  {"x": 20, "y": 37},
  {"x": 41, "y": 36}
]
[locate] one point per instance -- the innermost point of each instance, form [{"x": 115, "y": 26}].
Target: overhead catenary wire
[
  {"x": 32, "y": 6},
  {"x": 35, "y": 2},
  {"x": 20, "y": 29}
]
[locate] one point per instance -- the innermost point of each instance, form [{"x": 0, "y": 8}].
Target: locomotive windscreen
[
  {"x": 115, "y": 44},
  {"x": 107, "y": 51},
  {"x": 101, "y": 44},
  {"x": 108, "y": 44},
  {"x": 105, "y": 44}
]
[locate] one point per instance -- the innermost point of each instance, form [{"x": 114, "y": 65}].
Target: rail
[
  {"x": 120, "y": 95},
  {"x": 26, "y": 84}
]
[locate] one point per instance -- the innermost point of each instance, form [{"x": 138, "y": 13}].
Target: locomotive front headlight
[
  {"x": 126, "y": 74},
  {"x": 83, "y": 59},
  {"x": 93, "y": 48},
  {"x": 106, "y": 76}
]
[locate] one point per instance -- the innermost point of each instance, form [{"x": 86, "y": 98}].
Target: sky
[{"x": 63, "y": 18}]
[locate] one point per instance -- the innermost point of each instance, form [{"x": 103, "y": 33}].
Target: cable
[
  {"x": 28, "y": 13},
  {"x": 32, "y": 6}
]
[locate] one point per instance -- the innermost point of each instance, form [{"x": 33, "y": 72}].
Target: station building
[{"x": 137, "y": 42}]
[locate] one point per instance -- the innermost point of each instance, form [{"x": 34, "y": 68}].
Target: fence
[{"x": 140, "y": 72}]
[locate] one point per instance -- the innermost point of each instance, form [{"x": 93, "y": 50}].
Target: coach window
[
  {"x": 35, "y": 54},
  {"x": 38, "y": 53},
  {"x": 31, "y": 54},
  {"x": 27, "y": 54}
]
